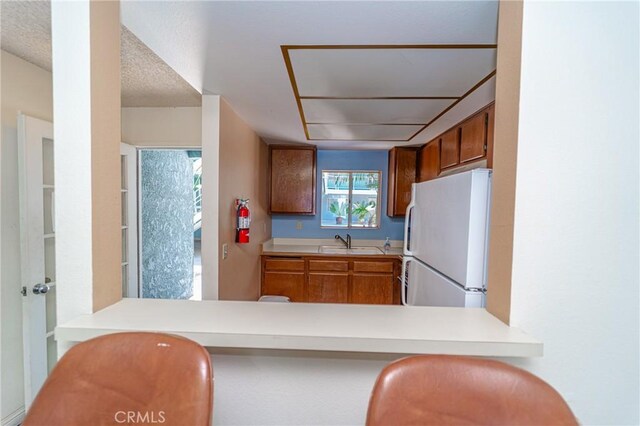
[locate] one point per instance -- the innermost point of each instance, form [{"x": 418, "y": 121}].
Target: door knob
[{"x": 40, "y": 289}]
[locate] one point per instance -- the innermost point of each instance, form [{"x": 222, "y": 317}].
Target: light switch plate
[
  {"x": 225, "y": 251},
  {"x": 299, "y": 224}
]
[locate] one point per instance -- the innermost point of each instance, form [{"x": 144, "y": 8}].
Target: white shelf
[
  {"x": 47, "y": 236},
  {"x": 311, "y": 326},
  {"x": 48, "y": 186}
]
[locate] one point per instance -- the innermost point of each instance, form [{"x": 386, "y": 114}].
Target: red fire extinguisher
[{"x": 243, "y": 221}]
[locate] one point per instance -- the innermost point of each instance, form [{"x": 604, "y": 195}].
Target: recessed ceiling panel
[
  {"x": 389, "y": 72},
  {"x": 373, "y": 111},
  {"x": 362, "y": 132}
]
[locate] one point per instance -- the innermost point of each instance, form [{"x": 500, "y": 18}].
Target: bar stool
[
  {"x": 128, "y": 378},
  {"x": 447, "y": 390}
]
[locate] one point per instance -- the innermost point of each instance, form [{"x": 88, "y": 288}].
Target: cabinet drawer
[
  {"x": 363, "y": 266},
  {"x": 329, "y": 265},
  {"x": 284, "y": 265}
]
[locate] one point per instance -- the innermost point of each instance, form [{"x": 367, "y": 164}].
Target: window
[{"x": 350, "y": 199}]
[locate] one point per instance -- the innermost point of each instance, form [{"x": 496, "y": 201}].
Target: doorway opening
[{"x": 170, "y": 218}]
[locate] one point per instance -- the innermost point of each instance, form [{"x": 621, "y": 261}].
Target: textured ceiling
[{"x": 147, "y": 81}]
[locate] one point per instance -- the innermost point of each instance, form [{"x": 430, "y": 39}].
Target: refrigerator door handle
[
  {"x": 403, "y": 280},
  {"x": 407, "y": 220}
]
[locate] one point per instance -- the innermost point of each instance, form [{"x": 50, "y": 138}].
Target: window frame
[{"x": 350, "y": 199}]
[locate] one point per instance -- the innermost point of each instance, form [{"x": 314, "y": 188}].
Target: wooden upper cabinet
[
  {"x": 429, "y": 161},
  {"x": 402, "y": 173},
  {"x": 293, "y": 180},
  {"x": 473, "y": 137},
  {"x": 491, "y": 114},
  {"x": 449, "y": 149}
]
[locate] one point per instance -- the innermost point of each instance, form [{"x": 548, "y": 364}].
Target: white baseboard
[{"x": 13, "y": 419}]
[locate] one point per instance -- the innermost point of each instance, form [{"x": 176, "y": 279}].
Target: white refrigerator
[{"x": 446, "y": 241}]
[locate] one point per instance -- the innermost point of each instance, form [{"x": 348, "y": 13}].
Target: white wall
[
  {"x": 25, "y": 88},
  {"x": 155, "y": 127},
  {"x": 257, "y": 387},
  {"x": 575, "y": 265}
]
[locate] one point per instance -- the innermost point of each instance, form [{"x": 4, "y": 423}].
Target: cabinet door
[
  {"x": 374, "y": 289},
  {"x": 402, "y": 174},
  {"x": 490, "y": 126},
  {"x": 293, "y": 180},
  {"x": 328, "y": 287},
  {"x": 290, "y": 284},
  {"x": 449, "y": 149},
  {"x": 429, "y": 161},
  {"x": 473, "y": 138}
]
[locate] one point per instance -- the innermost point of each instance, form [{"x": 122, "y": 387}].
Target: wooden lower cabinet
[
  {"x": 284, "y": 283},
  {"x": 332, "y": 280},
  {"x": 325, "y": 287},
  {"x": 372, "y": 289}
]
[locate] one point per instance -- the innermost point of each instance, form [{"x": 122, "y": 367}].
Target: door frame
[{"x": 139, "y": 197}]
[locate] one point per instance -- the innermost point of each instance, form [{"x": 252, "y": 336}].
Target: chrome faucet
[{"x": 346, "y": 242}]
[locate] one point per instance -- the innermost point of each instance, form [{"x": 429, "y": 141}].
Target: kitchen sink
[{"x": 351, "y": 251}]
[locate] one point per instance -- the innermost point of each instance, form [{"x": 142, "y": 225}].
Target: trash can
[{"x": 278, "y": 299}]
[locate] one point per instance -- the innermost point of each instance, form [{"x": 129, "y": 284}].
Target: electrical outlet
[
  {"x": 298, "y": 224},
  {"x": 225, "y": 251}
]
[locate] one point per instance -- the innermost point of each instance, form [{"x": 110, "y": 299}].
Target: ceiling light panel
[
  {"x": 362, "y": 132},
  {"x": 389, "y": 72},
  {"x": 373, "y": 111}
]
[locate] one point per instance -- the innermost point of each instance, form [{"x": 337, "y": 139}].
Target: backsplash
[{"x": 284, "y": 226}]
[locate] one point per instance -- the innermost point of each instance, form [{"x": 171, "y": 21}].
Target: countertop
[
  {"x": 314, "y": 327},
  {"x": 307, "y": 247}
]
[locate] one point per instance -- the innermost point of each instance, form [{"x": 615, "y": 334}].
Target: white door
[
  {"x": 129, "y": 191},
  {"x": 426, "y": 287},
  {"x": 37, "y": 238}
]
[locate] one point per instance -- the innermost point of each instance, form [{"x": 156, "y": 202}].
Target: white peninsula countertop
[{"x": 311, "y": 327}]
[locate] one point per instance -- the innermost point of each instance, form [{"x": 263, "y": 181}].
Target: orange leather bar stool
[
  {"x": 452, "y": 390},
  {"x": 128, "y": 378}
]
